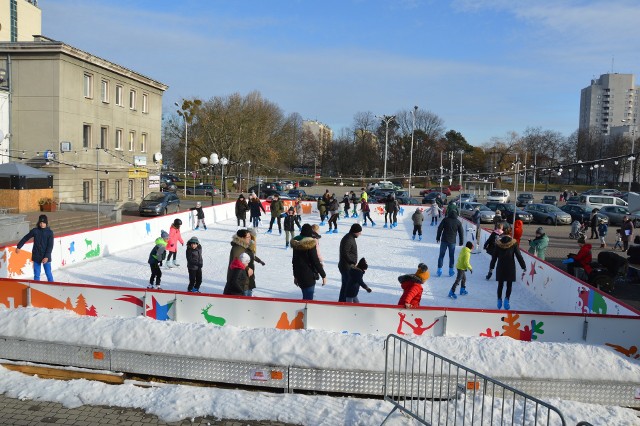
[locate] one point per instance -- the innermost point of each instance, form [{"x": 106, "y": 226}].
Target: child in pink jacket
[{"x": 172, "y": 244}]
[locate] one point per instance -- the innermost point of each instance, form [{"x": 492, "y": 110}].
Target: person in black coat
[
  {"x": 490, "y": 244},
  {"x": 356, "y": 274},
  {"x": 238, "y": 277},
  {"x": 348, "y": 257},
  {"x": 194, "y": 264},
  {"x": 446, "y": 236},
  {"x": 305, "y": 262},
  {"x": 254, "y": 207},
  {"x": 593, "y": 222},
  {"x": 42, "y": 247},
  {"x": 241, "y": 210},
  {"x": 504, "y": 254}
]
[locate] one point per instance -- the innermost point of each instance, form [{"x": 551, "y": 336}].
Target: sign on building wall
[
  {"x": 138, "y": 172},
  {"x": 154, "y": 181},
  {"x": 140, "y": 160}
]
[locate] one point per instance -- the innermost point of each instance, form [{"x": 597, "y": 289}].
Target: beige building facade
[
  {"x": 20, "y": 20},
  {"x": 93, "y": 124}
]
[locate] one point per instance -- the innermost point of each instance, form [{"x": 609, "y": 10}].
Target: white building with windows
[
  {"x": 20, "y": 20},
  {"x": 610, "y": 104},
  {"x": 93, "y": 124}
]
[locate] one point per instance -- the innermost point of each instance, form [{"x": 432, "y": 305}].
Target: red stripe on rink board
[{"x": 322, "y": 302}]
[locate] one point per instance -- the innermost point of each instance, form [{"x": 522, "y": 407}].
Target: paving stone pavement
[{"x": 14, "y": 412}]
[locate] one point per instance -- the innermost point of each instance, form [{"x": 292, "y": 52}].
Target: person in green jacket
[
  {"x": 277, "y": 208},
  {"x": 157, "y": 255},
  {"x": 322, "y": 209},
  {"x": 463, "y": 265},
  {"x": 538, "y": 246}
]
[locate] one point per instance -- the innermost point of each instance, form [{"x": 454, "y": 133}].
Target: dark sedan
[
  {"x": 159, "y": 203},
  {"x": 507, "y": 210},
  {"x": 305, "y": 183},
  {"x": 616, "y": 215},
  {"x": 550, "y": 199},
  {"x": 431, "y": 196},
  {"x": 581, "y": 213},
  {"x": 548, "y": 214},
  {"x": 524, "y": 199}
]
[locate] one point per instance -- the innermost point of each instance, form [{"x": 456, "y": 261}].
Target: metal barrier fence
[{"x": 435, "y": 390}]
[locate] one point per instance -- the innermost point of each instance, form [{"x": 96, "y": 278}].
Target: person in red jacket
[
  {"x": 581, "y": 260},
  {"x": 517, "y": 230},
  {"x": 412, "y": 287}
]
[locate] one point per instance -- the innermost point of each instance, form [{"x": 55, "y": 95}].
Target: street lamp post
[
  {"x": 632, "y": 128},
  {"x": 413, "y": 130},
  {"x": 223, "y": 162},
  {"x": 186, "y": 139},
  {"x": 212, "y": 160},
  {"x": 461, "y": 152},
  {"x": 387, "y": 119}
]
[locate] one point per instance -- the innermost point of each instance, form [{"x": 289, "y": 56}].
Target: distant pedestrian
[
  {"x": 355, "y": 281},
  {"x": 307, "y": 268},
  {"x": 618, "y": 244},
  {"x": 603, "y": 229},
  {"x": 241, "y": 210},
  {"x": 194, "y": 264},
  {"x": 199, "y": 216},
  {"x": 504, "y": 260},
  {"x": 175, "y": 237},
  {"x": 417, "y": 217},
  {"x": 255, "y": 205},
  {"x": 579, "y": 264},
  {"x": 42, "y": 247},
  {"x": 447, "y": 230},
  {"x": 412, "y": 287},
  {"x": 463, "y": 265},
  {"x": 626, "y": 232},
  {"x": 593, "y": 223},
  {"x": 538, "y": 246},
  {"x": 348, "y": 257},
  {"x": 156, "y": 256}
]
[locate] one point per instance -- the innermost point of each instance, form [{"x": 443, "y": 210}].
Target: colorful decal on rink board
[
  {"x": 211, "y": 319},
  {"x": 295, "y": 324},
  {"x": 512, "y": 329},
  {"x": 156, "y": 311},
  {"x": 591, "y": 301},
  {"x": 15, "y": 262},
  {"x": 417, "y": 328},
  {"x": 93, "y": 253},
  {"x": 632, "y": 352},
  {"x": 148, "y": 228},
  {"x": 14, "y": 294}
]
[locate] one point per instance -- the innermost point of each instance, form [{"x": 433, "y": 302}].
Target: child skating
[
  {"x": 194, "y": 264},
  {"x": 417, "y": 219},
  {"x": 366, "y": 212},
  {"x": 199, "y": 216},
  {"x": 172, "y": 246},
  {"x": 463, "y": 265},
  {"x": 290, "y": 222},
  {"x": 157, "y": 255},
  {"x": 355, "y": 281},
  {"x": 434, "y": 212}
]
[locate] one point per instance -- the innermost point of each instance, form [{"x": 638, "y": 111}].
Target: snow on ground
[
  {"x": 389, "y": 253},
  {"x": 501, "y": 356}
]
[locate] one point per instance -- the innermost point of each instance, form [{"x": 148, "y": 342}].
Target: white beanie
[{"x": 244, "y": 258}]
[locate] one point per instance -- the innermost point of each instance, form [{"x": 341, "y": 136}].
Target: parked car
[
  {"x": 167, "y": 185},
  {"x": 283, "y": 196},
  {"x": 456, "y": 187},
  {"x": 442, "y": 189},
  {"x": 294, "y": 193},
  {"x": 159, "y": 203},
  {"x": 507, "y": 210},
  {"x": 550, "y": 199},
  {"x": 612, "y": 192},
  {"x": 548, "y": 214},
  {"x": 171, "y": 177},
  {"x": 574, "y": 199},
  {"x": 431, "y": 196},
  {"x": 380, "y": 194},
  {"x": 617, "y": 213},
  {"x": 406, "y": 201},
  {"x": 305, "y": 183},
  {"x": 286, "y": 185},
  {"x": 492, "y": 205},
  {"x": 466, "y": 197},
  {"x": 581, "y": 213},
  {"x": 467, "y": 209},
  {"x": 264, "y": 186},
  {"x": 203, "y": 189},
  {"x": 499, "y": 195},
  {"x": 524, "y": 198}
]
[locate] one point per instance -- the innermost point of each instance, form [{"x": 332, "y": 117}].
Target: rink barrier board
[
  {"x": 286, "y": 377},
  {"x": 563, "y": 293},
  {"x": 621, "y": 333}
]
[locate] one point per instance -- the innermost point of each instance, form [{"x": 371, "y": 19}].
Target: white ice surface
[{"x": 389, "y": 253}]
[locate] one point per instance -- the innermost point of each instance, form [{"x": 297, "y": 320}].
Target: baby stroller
[
  {"x": 610, "y": 269},
  {"x": 578, "y": 230}
]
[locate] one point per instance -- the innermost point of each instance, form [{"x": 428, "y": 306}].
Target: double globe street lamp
[{"x": 212, "y": 161}]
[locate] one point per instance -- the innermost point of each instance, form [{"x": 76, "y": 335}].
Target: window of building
[
  {"x": 143, "y": 188},
  {"x": 103, "y": 137},
  {"x": 130, "y": 193},
  {"x": 118, "y": 139},
  {"x": 132, "y": 99},
  {"x": 86, "y": 135},
  {"x": 145, "y": 103},
  {"x": 143, "y": 142},
  {"x": 104, "y": 91},
  {"x": 132, "y": 138},
  {"x": 103, "y": 191},
  {"x": 88, "y": 85},
  {"x": 117, "y": 188},
  {"x": 119, "y": 95},
  {"x": 86, "y": 191}
]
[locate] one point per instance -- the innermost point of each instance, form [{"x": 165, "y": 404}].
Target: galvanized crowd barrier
[{"x": 435, "y": 390}]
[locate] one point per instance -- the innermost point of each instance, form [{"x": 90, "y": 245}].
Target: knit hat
[
  {"x": 43, "y": 218},
  {"x": 362, "y": 264},
  {"x": 306, "y": 230},
  {"x": 422, "y": 272},
  {"x": 198, "y": 204},
  {"x": 581, "y": 240},
  {"x": 164, "y": 234},
  {"x": 291, "y": 209},
  {"x": 244, "y": 258},
  {"x": 355, "y": 228},
  {"x": 540, "y": 230},
  {"x": 242, "y": 233},
  {"x": 193, "y": 240},
  {"x": 241, "y": 197}
]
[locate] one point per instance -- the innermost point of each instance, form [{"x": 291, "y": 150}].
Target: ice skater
[
  {"x": 417, "y": 217},
  {"x": 290, "y": 222},
  {"x": 172, "y": 247},
  {"x": 194, "y": 264},
  {"x": 277, "y": 208},
  {"x": 434, "y": 211},
  {"x": 255, "y": 205},
  {"x": 355, "y": 281},
  {"x": 334, "y": 211},
  {"x": 463, "y": 265},
  {"x": 504, "y": 256},
  {"x": 241, "y": 210},
  {"x": 199, "y": 216},
  {"x": 412, "y": 287},
  {"x": 347, "y": 204},
  {"x": 42, "y": 247},
  {"x": 366, "y": 212},
  {"x": 447, "y": 230},
  {"x": 157, "y": 255},
  {"x": 354, "y": 202}
]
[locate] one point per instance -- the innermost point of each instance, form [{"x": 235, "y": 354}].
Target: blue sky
[{"x": 484, "y": 66}]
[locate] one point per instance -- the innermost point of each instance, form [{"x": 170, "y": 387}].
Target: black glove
[
  {"x": 262, "y": 263},
  {"x": 368, "y": 290},
  {"x": 159, "y": 263},
  {"x": 489, "y": 274},
  {"x": 471, "y": 271}
]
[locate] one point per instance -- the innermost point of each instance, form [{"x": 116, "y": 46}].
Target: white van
[
  {"x": 597, "y": 201},
  {"x": 499, "y": 195}
]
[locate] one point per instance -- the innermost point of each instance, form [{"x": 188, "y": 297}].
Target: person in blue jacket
[{"x": 42, "y": 246}]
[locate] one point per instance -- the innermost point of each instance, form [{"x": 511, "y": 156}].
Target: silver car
[
  {"x": 467, "y": 198},
  {"x": 468, "y": 209},
  {"x": 548, "y": 214},
  {"x": 617, "y": 213}
]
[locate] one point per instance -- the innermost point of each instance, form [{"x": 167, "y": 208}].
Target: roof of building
[
  {"x": 19, "y": 169},
  {"x": 42, "y": 44}
]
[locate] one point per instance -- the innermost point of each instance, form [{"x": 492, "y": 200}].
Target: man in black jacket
[
  {"x": 348, "y": 257},
  {"x": 447, "y": 230},
  {"x": 42, "y": 246}
]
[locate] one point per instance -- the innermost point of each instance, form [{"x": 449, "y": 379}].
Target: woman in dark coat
[
  {"x": 254, "y": 207},
  {"x": 305, "y": 262},
  {"x": 505, "y": 253},
  {"x": 241, "y": 210}
]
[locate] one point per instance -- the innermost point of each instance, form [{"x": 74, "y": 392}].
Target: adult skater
[
  {"x": 366, "y": 212},
  {"x": 477, "y": 221},
  {"x": 347, "y": 204},
  {"x": 322, "y": 208},
  {"x": 199, "y": 216},
  {"x": 241, "y": 210},
  {"x": 305, "y": 262},
  {"x": 354, "y": 203},
  {"x": 254, "y": 207},
  {"x": 42, "y": 247},
  {"x": 334, "y": 212},
  {"x": 277, "y": 208},
  {"x": 348, "y": 257},
  {"x": 505, "y": 254},
  {"x": 447, "y": 230}
]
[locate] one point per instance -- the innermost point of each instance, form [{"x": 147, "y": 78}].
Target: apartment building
[
  {"x": 93, "y": 124},
  {"x": 20, "y": 20}
]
